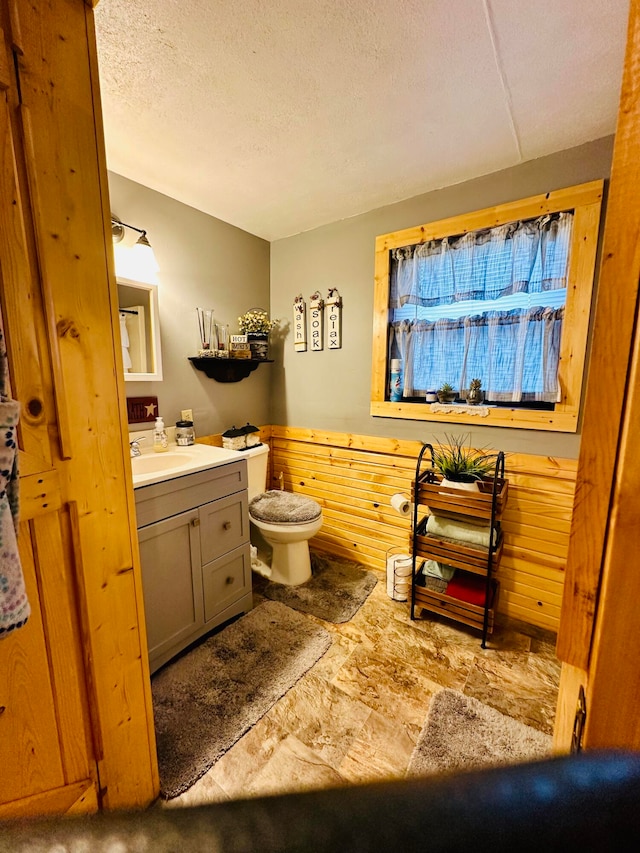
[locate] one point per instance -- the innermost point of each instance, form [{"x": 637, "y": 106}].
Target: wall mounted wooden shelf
[{"x": 227, "y": 369}]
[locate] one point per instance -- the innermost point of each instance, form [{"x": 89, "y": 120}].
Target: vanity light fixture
[
  {"x": 118, "y": 232},
  {"x": 134, "y": 260}
]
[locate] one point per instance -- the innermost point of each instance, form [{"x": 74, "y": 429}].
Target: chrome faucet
[{"x": 134, "y": 446}]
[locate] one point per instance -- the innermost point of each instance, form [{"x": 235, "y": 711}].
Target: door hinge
[{"x": 578, "y": 722}]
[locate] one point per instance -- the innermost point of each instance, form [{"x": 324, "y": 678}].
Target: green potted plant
[
  {"x": 462, "y": 466},
  {"x": 445, "y": 393},
  {"x": 475, "y": 394}
]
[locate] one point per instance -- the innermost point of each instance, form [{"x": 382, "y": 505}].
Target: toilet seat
[{"x": 279, "y": 507}]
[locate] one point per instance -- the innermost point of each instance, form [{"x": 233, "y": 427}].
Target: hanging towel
[
  {"x": 472, "y": 534},
  {"x": 124, "y": 340},
  {"x": 14, "y": 605}
]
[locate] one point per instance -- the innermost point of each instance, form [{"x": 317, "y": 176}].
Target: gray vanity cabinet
[{"x": 195, "y": 556}]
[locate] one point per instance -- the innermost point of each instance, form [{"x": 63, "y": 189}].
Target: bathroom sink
[
  {"x": 159, "y": 462},
  {"x": 153, "y": 467}
]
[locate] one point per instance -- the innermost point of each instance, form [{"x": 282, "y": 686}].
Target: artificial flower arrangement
[{"x": 256, "y": 321}]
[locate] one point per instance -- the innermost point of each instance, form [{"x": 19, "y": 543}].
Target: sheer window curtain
[{"x": 461, "y": 331}]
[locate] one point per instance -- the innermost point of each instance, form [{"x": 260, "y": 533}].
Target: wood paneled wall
[{"x": 353, "y": 478}]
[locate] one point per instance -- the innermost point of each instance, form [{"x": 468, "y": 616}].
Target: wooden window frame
[{"x": 585, "y": 200}]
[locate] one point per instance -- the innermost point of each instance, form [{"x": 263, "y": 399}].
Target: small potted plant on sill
[
  {"x": 460, "y": 465},
  {"x": 445, "y": 393},
  {"x": 475, "y": 394},
  {"x": 256, "y": 325}
]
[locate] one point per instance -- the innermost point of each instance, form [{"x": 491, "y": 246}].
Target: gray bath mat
[
  {"x": 337, "y": 590},
  {"x": 206, "y": 700},
  {"x": 462, "y": 733}
]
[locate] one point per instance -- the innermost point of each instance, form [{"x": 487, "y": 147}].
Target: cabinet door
[
  {"x": 172, "y": 582},
  {"x": 225, "y": 580},
  {"x": 224, "y": 525}
]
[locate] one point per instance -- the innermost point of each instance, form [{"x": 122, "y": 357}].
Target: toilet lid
[{"x": 279, "y": 507}]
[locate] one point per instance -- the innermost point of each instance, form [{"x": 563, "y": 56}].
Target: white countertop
[{"x": 152, "y": 467}]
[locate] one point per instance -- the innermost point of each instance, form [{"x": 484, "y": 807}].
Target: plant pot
[
  {"x": 456, "y": 484},
  {"x": 474, "y": 397},
  {"x": 259, "y": 345},
  {"x": 446, "y": 397}
]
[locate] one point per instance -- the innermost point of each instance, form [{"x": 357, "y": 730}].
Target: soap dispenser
[{"x": 160, "y": 440}]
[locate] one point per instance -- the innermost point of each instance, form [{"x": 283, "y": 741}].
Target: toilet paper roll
[
  {"x": 403, "y": 568},
  {"x": 398, "y": 563},
  {"x": 401, "y": 503}
]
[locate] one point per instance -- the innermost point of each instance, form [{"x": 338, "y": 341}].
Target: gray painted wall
[
  {"x": 204, "y": 262},
  {"x": 330, "y": 390}
]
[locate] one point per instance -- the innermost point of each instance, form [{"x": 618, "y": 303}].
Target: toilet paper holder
[
  {"x": 401, "y": 503},
  {"x": 399, "y": 571}
]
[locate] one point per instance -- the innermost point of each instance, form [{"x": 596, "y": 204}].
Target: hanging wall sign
[
  {"x": 299, "y": 324},
  {"x": 333, "y": 309},
  {"x": 316, "y": 321},
  {"x": 142, "y": 409}
]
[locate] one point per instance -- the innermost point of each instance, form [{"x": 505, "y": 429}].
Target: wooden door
[
  {"x": 599, "y": 636},
  {"x": 77, "y": 729}
]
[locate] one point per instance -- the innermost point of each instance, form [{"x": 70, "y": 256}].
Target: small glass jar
[{"x": 185, "y": 433}]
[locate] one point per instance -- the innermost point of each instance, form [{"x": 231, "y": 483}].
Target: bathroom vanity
[{"x": 193, "y": 530}]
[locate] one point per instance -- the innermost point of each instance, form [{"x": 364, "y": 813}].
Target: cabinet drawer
[
  {"x": 225, "y": 580},
  {"x": 224, "y": 525},
  {"x": 162, "y": 500}
]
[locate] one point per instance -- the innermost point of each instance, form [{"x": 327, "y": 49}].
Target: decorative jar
[
  {"x": 259, "y": 345},
  {"x": 185, "y": 433}
]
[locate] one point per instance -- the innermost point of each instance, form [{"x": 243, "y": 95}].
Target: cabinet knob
[
  {"x": 195, "y": 522},
  {"x": 227, "y": 525},
  {"x": 229, "y": 580},
  {"x": 3, "y": 708}
]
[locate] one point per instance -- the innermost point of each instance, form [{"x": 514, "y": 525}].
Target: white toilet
[{"x": 285, "y": 520}]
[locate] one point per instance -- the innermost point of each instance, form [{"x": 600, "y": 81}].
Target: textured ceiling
[{"x": 281, "y": 115}]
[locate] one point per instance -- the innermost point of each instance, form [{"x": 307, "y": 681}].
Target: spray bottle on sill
[
  {"x": 160, "y": 440},
  {"x": 395, "y": 380}
]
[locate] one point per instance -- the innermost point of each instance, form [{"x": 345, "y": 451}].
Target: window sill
[{"x": 563, "y": 419}]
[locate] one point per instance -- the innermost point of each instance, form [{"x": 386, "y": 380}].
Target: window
[{"x": 503, "y": 295}]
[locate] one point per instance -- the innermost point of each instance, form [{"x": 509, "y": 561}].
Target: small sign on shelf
[{"x": 239, "y": 346}]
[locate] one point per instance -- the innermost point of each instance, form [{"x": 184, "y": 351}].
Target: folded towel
[
  {"x": 470, "y": 588},
  {"x": 465, "y": 587},
  {"x": 435, "y": 584},
  {"x": 463, "y": 531},
  {"x": 432, "y": 569}
]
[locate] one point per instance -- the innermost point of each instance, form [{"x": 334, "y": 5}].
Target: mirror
[{"x": 139, "y": 330}]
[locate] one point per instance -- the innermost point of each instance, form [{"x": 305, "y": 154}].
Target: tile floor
[{"x": 356, "y": 714}]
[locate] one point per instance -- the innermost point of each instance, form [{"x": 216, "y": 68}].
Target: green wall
[
  {"x": 330, "y": 390},
  {"x": 205, "y": 263}
]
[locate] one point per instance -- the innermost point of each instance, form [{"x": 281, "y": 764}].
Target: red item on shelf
[{"x": 469, "y": 588}]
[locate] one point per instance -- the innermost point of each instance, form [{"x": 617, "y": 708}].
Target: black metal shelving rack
[{"x": 487, "y": 504}]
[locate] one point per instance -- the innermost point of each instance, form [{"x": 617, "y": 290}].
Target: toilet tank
[{"x": 256, "y": 469}]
